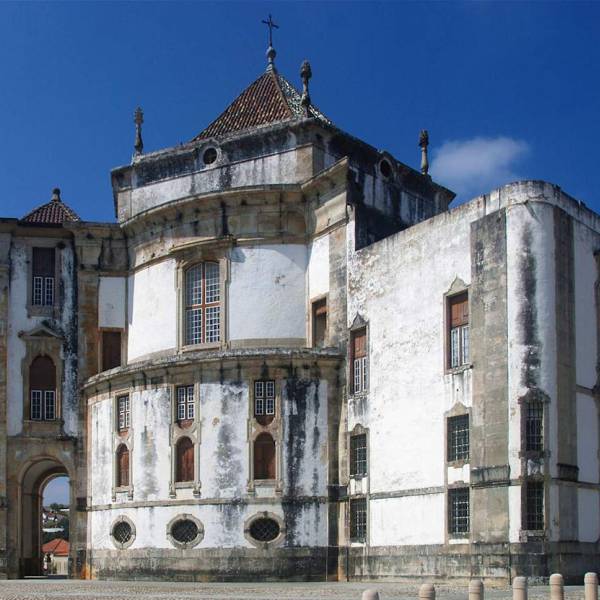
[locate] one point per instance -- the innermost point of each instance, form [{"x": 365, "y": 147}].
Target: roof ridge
[{"x": 282, "y": 96}]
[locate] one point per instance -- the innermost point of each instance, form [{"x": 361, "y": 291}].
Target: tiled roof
[
  {"x": 57, "y": 546},
  {"x": 270, "y": 99},
  {"x": 54, "y": 212}
]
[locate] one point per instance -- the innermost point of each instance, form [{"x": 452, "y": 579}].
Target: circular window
[
  {"x": 264, "y": 530},
  {"x": 122, "y": 532},
  {"x": 184, "y": 531},
  {"x": 385, "y": 168},
  {"x": 209, "y": 156}
]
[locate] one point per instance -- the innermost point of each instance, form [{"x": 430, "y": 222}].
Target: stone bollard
[
  {"x": 590, "y": 583},
  {"x": 370, "y": 595},
  {"x": 476, "y": 589},
  {"x": 427, "y": 592},
  {"x": 557, "y": 587},
  {"x": 519, "y": 588}
]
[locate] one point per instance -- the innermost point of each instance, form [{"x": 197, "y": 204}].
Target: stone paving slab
[{"x": 53, "y": 589}]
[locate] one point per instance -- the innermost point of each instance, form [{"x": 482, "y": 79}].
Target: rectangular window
[
  {"x": 42, "y": 272},
  {"x": 124, "y": 412},
  {"x": 534, "y": 426},
  {"x": 359, "y": 360},
  {"x": 264, "y": 398},
  {"x": 49, "y": 405},
  {"x": 458, "y": 330},
  {"x": 202, "y": 304},
  {"x": 458, "y": 511},
  {"x": 358, "y": 519},
  {"x": 458, "y": 438},
  {"x": 185, "y": 402},
  {"x": 534, "y": 505},
  {"x": 36, "y": 405},
  {"x": 358, "y": 455},
  {"x": 111, "y": 350},
  {"x": 319, "y": 323}
]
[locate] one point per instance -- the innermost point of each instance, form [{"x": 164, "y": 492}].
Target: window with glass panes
[
  {"x": 202, "y": 304},
  {"x": 42, "y": 385},
  {"x": 458, "y": 511},
  {"x": 123, "y": 413},
  {"x": 534, "y": 505},
  {"x": 264, "y": 397},
  {"x": 358, "y": 519},
  {"x": 458, "y": 438},
  {"x": 42, "y": 271},
  {"x": 534, "y": 426},
  {"x": 359, "y": 360},
  {"x": 358, "y": 454},
  {"x": 185, "y": 402},
  {"x": 458, "y": 330}
]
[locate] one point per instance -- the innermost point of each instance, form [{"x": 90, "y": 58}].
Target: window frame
[
  {"x": 359, "y": 367},
  {"x": 188, "y": 404},
  {"x": 179, "y": 466},
  {"x": 461, "y": 331},
  {"x": 318, "y": 307},
  {"x": 452, "y": 451},
  {"x": 263, "y": 434},
  {"x": 101, "y": 333},
  {"x": 119, "y": 483},
  {"x": 266, "y": 399},
  {"x": 354, "y": 461},
  {"x": 453, "y": 531},
  {"x": 45, "y": 399},
  {"x": 527, "y": 519},
  {"x": 123, "y": 425},
  {"x": 358, "y": 532}
]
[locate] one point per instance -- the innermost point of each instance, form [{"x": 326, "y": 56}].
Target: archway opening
[{"x": 45, "y": 511}]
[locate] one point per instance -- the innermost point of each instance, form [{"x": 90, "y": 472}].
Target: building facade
[{"x": 289, "y": 358}]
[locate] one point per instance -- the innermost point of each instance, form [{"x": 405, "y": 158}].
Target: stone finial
[
  {"x": 56, "y": 195},
  {"x": 270, "y": 50},
  {"x": 138, "y": 119},
  {"x": 305, "y": 74},
  {"x": 423, "y": 143}
]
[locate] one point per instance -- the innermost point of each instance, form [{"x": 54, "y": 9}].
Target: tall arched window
[
  {"x": 264, "y": 457},
  {"x": 122, "y": 466},
  {"x": 42, "y": 386},
  {"x": 202, "y": 304},
  {"x": 185, "y": 460}
]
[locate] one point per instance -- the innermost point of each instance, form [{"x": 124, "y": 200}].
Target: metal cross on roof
[{"x": 271, "y": 25}]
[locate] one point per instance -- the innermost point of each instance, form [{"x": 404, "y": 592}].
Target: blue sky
[{"x": 506, "y": 90}]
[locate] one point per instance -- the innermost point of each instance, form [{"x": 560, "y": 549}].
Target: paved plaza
[{"x": 42, "y": 589}]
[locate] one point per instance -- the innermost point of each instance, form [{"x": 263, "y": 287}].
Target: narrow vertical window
[
  {"x": 202, "y": 304},
  {"x": 458, "y": 330},
  {"x": 42, "y": 389},
  {"x": 534, "y": 505},
  {"x": 264, "y": 457},
  {"x": 359, "y": 360},
  {"x": 319, "y": 323},
  {"x": 185, "y": 460},
  {"x": 358, "y": 519},
  {"x": 264, "y": 401},
  {"x": 458, "y": 511},
  {"x": 185, "y": 403},
  {"x": 123, "y": 413},
  {"x": 43, "y": 272},
  {"x": 358, "y": 454},
  {"x": 458, "y": 438},
  {"x": 534, "y": 426},
  {"x": 111, "y": 350},
  {"x": 122, "y": 466}
]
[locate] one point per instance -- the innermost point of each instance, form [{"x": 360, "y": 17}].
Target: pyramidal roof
[
  {"x": 55, "y": 212},
  {"x": 268, "y": 100}
]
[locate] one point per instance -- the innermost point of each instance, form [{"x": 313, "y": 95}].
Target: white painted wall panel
[
  {"x": 152, "y": 310},
  {"x": 587, "y": 439},
  {"x": 318, "y": 267},
  {"x": 589, "y": 515},
  {"x": 111, "y": 302},
  {"x": 101, "y": 460}
]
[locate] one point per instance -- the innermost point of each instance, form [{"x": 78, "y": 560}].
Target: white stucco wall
[
  {"x": 267, "y": 292},
  {"x": 318, "y": 267},
  {"x": 152, "y": 310},
  {"x": 587, "y": 439},
  {"x": 112, "y": 302}
]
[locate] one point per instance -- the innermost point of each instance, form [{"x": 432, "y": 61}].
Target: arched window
[
  {"x": 122, "y": 466},
  {"x": 185, "y": 460},
  {"x": 264, "y": 457},
  {"x": 202, "y": 304},
  {"x": 42, "y": 385}
]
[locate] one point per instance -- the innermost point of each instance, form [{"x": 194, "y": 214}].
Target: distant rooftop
[{"x": 55, "y": 212}]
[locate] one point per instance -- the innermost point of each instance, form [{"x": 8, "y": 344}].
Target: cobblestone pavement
[{"x": 41, "y": 589}]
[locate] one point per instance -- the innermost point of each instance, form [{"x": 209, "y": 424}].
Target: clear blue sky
[{"x": 506, "y": 90}]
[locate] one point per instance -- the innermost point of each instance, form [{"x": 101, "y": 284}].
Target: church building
[{"x": 290, "y": 358}]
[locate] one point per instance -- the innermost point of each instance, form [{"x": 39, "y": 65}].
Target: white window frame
[
  {"x": 43, "y": 405},
  {"x": 202, "y": 322},
  {"x": 360, "y": 374},
  {"x": 264, "y": 397},
  {"x": 185, "y": 402},
  {"x": 123, "y": 412}
]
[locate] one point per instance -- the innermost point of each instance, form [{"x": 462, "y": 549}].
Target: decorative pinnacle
[
  {"x": 138, "y": 119},
  {"x": 56, "y": 195},
  {"x": 423, "y": 143},
  {"x": 270, "y": 50},
  {"x": 305, "y": 74}
]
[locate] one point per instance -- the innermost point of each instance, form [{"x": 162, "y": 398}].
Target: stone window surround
[
  {"x": 533, "y": 396},
  {"x": 537, "y": 534},
  {"x": 119, "y": 545},
  {"x": 458, "y": 287},
  {"x": 457, "y": 410},
  {"x": 356, "y": 541},
  {"x": 122, "y": 437},
  {"x": 274, "y": 429},
  {"x": 358, "y": 429},
  {"x": 185, "y": 545},
  {"x": 188, "y": 257},
  {"x": 461, "y": 537},
  {"x": 44, "y": 311},
  {"x": 193, "y": 432},
  {"x": 41, "y": 341},
  {"x": 265, "y": 515},
  {"x": 357, "y": 324}
]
